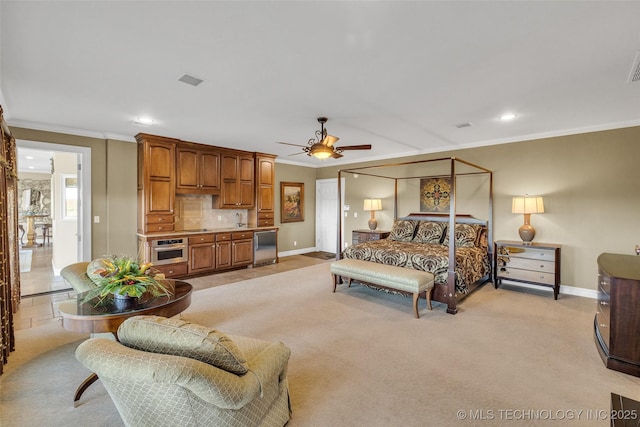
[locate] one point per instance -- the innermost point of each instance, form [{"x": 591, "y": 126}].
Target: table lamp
[
  {"x": 372, "y": 205},
  {"x": 527, "y": 205}
]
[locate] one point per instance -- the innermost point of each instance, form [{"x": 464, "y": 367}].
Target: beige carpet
[{"x": 359, "y": 358}]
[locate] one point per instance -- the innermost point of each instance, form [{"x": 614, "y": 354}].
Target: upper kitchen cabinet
[
  {"x": 197, "y": 169},
  {"x": 156, "y": 183},
  {"x": 237, "y": 180},
  {"x": 264, "y": 213}
]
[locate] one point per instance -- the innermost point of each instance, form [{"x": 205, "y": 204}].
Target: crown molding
[{"x": 70, "y": 131}]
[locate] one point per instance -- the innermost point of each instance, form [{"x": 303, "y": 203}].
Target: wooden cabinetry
[
  {"x": 156, "y": 183},
  {"x": 223, "y": 251},
  {"x": 617, "y": 319},
  {"x": 237, "y": 180},
  {"x": 241, "y": 248},
  {"x": 265, "y": 182},
  {"x": 359, "y": 236},
  {"x": 535, "y": 263},
  {"x": 197, "y": 169},
  {"x": 173, "y": 270},
  {"x": 201, "y": 253}
]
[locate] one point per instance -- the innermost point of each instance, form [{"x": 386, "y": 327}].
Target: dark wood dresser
[
  {"x": 617, "y": 320},
  {"x": 359, "y": 236}
]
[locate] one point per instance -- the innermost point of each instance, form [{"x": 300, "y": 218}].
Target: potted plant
[{"x": 125, "y": 278}]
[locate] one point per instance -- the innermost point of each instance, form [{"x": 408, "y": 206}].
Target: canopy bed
[{"x": 430, "y": 239}]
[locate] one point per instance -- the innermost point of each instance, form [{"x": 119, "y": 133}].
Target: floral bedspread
[{"x": 472, "y": 263}]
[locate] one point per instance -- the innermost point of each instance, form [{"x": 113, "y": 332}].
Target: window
[{"x": 69, "y": 197}]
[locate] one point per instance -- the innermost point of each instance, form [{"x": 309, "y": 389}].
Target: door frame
[
  {"x": 84, "y": 173},
  {"x": 340, "y": 212}
]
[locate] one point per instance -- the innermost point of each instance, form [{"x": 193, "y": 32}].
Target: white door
[{"x": 327, "y": 214}]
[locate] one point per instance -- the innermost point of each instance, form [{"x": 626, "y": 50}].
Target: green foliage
[{"x": 123, "y": 276}]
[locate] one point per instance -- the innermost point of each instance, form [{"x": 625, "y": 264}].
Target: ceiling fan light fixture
[
  {"x": 329, "y": 140},
  {"x": 320, "y": 151}
]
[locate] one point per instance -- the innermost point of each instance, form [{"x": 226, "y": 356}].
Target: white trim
[
  {"x": 85, "y": 152},
  {"x": 297, "y": 252},
  {"x": 69, "y": 131},
  {"x": 564, "y": 289}
]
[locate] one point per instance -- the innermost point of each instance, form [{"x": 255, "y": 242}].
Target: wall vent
[
  {"x": 634, "y": 76},
  {"x": 463, "y": 125},
  {"x": 190, "y": 80}
]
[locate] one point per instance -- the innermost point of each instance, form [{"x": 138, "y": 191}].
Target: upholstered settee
[{"x": 168, "y": 372}]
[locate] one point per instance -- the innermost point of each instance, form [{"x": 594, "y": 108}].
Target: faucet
[{"x": 239, "y": 218}]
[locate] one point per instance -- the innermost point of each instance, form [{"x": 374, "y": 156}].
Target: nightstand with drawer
[
  {"x": 359, "y": 236},
  {"x": 534, "y": 263}
]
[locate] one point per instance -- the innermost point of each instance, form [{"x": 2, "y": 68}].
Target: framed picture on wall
[
  {"x": 435, "y": 194},
  {"x": 291, "y": 202}
]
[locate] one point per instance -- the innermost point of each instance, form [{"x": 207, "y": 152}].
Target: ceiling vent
[
  {"x": 190, "y": 80},
  {"x": 634, "y": 76},
  {"x": 463, "y": 125}
]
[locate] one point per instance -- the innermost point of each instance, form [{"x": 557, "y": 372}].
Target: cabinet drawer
[
  {"x": 604, "y": 283},
  {"x": 531, "y": 253},
  {"x": 159, "y": 227},
  {"x": 204, "y": 238},
  {"x": 265, "y": 222},
  {"x": 532, "y": 264},
  {"x": 159, "y": 219},
  {"x": 265, "y": 215},
  {"x": 527, "y": 275},
  {"x": 172, "y": 270},
  {"x": 602, "y": 322},
  {"x": 223, "y": 237},
  {"x": 242, "y": 235}
]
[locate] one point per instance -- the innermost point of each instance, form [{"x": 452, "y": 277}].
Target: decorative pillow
[
  {"x": 179, "y": 338},
  {"x": 430, "y": 232},
  {"x": 96, "y": 264},
  {"x": 467, "y": 235},
  {"x": 402, "y": 230}
]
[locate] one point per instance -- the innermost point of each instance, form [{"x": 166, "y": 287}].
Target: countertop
[{"x": 177, "y": 233}]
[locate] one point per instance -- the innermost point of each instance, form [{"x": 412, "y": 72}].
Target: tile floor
[{"x": 39, "y": 309}]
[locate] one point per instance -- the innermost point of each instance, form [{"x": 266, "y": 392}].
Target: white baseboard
[
  {"x": 297, "y": 252},
  {"x": 564, "y": 289}
]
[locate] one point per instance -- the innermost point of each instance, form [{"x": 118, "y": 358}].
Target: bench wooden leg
[
  {"x": 416, "y": 295},
  {"x": 428, "y": 293},
  {"x": 335, "y": 281}
]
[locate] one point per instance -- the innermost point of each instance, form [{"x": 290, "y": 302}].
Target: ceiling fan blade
[
  {"x": 336, "y": 155},
  {"x": 288, "y": 143},
  {"x": 329, "y": 140},
  {"x": 295, "y": 154},
  {"x": 355, "y": 147}
]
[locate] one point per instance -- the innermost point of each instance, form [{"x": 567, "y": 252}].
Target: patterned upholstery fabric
[
  {"x": 402, "y": 230},
  {"x": 179, "y": 338},
  {"x": 472, "y": 263},
  {"x": 94, "y": 265},
  {"x": 155, "y": 390},
  {"x": 430, "y": 232},
  {"x": 467, "y": 235},
  {"x": 76, "y": 276}
]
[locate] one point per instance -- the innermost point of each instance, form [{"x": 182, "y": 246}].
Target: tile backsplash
[{"x": 195, "y": 212}]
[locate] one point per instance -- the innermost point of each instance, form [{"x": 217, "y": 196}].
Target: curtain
[{"x": 9, "y": 262}]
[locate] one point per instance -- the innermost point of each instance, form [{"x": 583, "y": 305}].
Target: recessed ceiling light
[
  {"x": 146, "y": 121},
  {"x": 31, "y": 167},
  {"x": 29, "y": 157},
  {"x": 508, "y": 116}
]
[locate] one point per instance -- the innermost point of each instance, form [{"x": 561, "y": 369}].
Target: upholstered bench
[{"x": 388, "y": 276}]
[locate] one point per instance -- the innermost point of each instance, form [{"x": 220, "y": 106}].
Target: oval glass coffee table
[{"x": 95, "y": 316}]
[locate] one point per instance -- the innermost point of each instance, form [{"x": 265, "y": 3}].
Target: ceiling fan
[{"x": 322, "y": 146}]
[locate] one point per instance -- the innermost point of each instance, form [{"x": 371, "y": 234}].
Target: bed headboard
[{"x": 444, "y": 217}]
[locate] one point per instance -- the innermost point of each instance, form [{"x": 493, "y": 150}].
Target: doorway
[
  {"x": 327, "y": 210},
  {"x": 54, "y": 203}
]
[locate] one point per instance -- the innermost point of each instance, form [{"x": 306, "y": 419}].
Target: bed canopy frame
[{"x": 378, "y": 171}]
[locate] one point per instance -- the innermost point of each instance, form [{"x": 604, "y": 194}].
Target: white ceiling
[{"x": 396, "y": 75}]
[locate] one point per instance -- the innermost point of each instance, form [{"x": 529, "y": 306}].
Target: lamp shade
[
  {"x": 527, "y": 205},
  {"x": 372, "y": 204}
]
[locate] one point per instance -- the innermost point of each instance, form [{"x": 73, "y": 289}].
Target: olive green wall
[
  {"x": 590, "y": 189},
  {"x": 303, "y": 233},
  {"x": 113, "y": 188}
]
